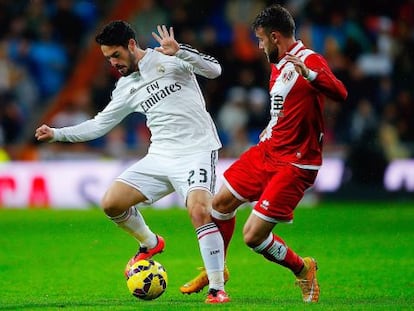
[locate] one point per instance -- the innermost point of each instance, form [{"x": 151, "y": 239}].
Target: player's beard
[
  {"x": 131, "y": 67},
  {"x": 273, "y": 55}
]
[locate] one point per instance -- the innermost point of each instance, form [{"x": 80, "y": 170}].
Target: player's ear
[
  {"x": 274, "y": 36},
  {"x": 131, "y": 45}
]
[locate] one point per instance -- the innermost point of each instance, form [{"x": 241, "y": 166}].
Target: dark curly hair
[
  {"x": 116, "y": 33},
  {"x": 275, "y": 18}
]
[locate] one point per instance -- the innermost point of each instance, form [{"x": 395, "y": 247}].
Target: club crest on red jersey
[{"x": 287, "y": 76}]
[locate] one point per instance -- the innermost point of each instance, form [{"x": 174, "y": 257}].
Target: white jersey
[{"x": 166, "y": 91}]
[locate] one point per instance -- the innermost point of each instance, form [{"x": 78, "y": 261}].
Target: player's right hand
[
  {"x": 44, "y": 133},
  {"x": 165, "y": 37}
]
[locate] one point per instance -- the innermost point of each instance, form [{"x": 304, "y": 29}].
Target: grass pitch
[{"x": 74, "y": 260}]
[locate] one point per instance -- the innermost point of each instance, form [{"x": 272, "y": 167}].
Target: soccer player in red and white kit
[{"x": 277, "y": 171}]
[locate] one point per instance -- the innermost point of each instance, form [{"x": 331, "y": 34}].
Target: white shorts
[{"x": 156, "y": 176}]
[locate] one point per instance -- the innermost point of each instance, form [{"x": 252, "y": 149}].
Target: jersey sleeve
[
  {"x": 324, "y": 80},
  {"x": 91, "y": 129},
  {"x": 203, "y": 65}
]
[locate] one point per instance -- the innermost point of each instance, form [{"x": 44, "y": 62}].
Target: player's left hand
[
  {"x": 168, "y": 45},
  {"x": 300, "y": 67}
]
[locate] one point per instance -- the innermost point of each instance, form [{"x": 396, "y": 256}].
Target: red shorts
[{"x": 277, "y": 190}]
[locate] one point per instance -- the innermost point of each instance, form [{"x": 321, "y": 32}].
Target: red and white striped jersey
[{"x": 296, "y": 128}]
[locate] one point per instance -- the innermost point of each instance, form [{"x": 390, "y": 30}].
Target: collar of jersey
[{"x": 294, "y": 50}]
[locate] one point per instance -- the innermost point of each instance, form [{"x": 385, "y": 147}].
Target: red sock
[
  {"x": 292, "y": 260},
  {"x": 226, "y": 228}
]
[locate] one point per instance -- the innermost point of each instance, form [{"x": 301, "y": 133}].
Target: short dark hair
[
  {"x": 116, "y": 33},
  {"x": 277, "y": 18}
]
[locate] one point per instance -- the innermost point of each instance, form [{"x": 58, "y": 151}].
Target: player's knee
[
  {"x": 251, "y": 238},
  {"x": 199, "y": 213},
  {"x": 225, "y": 202},
  {"x": 254, "y": 235},
  {"x": 219, "y": 204},
  {"x": 110, "y": 207}
]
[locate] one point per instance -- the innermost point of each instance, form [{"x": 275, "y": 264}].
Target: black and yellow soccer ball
[{"x": 147, "y": 279}]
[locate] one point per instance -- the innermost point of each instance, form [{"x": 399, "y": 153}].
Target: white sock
[
  {"x": 275, "y": 249},
  {"x": 132, "y": 222},
  {"x": 212, "y": 252}
]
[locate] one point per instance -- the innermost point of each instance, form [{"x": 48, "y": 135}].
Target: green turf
[{"x": 74, "y": 260}]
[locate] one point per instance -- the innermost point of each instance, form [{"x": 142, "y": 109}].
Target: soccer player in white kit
[{"x": 161, "y": 84}]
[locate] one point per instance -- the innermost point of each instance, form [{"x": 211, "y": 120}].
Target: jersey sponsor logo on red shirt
[{"x": 276, "y": 108}]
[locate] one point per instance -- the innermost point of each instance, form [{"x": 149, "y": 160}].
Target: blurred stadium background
[{"x": 51, "y": 71}]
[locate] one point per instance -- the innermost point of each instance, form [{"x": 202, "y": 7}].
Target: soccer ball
[{"x": 147, "y": 279}]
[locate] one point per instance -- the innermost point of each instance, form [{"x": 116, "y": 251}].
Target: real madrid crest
[{"x": 160, "y": 68}]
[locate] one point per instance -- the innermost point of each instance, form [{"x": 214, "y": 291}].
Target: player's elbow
[
  {"x": 342, "y": 95},
  {"x": 215, "y": 72},
  {"x": 339, "y": 95},
  {"x": 219, "y": 70}
]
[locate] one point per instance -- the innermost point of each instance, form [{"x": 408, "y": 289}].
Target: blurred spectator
[
  {"x": 146, "y": 20},
  {"x": 405, "y": 107},
  {"x": 89, "y": 11},
  {"x": 15, "y": 79},
  {"x": 116, "y": 143},
  {"x": 182, "y": 19},
  {"x": 367, "y": 161},
  {"x": 11, "y": 119},
  {"x": 334, "y": 55},
  {"x": 332, "y": 136},
  {"x": 7, "y": 69},
  {"x": 101, "y": 88},
  {"x": 391, "y": 144},
  {"x": 46, "y": 59},
  {"x": 62, "y": 16},
  {"x": 375, "y": 63},
  {"x": 258, "y": 112},
  {"x": 35, "y": 13},
  {"x": 385, "y": 93},
  {"x": 4, "y": 156},
  {"x": 239, "y": 143},
  {"x": 75, "y": 112},
  {"x": 364, "y": 120},
  {"x": 233, "y": 115}
]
